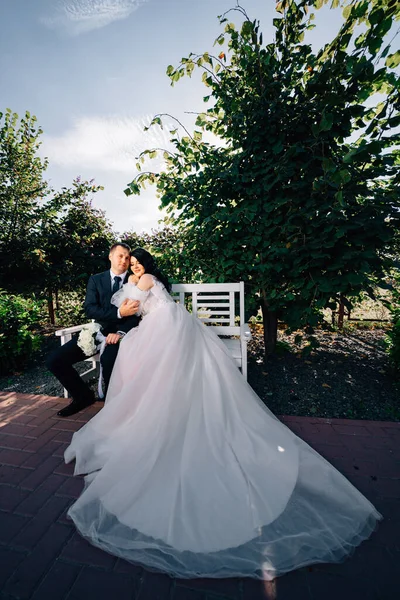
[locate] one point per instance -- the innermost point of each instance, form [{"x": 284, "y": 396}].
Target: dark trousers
[{"x": 60, "y": 362}]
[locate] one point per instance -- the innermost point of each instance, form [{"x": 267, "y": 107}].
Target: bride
[{"x": 188, "y": 472}]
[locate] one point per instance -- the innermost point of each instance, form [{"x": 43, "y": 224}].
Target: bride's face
[{"x": 136, "y": 267}]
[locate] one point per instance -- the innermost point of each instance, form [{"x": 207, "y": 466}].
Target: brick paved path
[{"x": 43, "y": 558}]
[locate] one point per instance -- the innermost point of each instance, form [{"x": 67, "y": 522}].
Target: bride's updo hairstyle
[{"x": 150, "y": 266}]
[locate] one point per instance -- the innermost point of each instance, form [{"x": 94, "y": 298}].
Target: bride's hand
[{"x": 133, "y": 279}]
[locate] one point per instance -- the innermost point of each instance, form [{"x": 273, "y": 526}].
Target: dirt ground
[{"x": 347, "y": 376}]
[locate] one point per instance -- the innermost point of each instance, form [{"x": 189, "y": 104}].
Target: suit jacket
[{"x": 98, "y": 305}]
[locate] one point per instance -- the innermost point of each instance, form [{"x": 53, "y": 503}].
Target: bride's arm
[
  {"x": 145, "y": 282},
  {"x": 131, "y": 291}
]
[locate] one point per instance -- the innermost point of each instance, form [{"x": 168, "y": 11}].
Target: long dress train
[{"x": 188, "y": 472}]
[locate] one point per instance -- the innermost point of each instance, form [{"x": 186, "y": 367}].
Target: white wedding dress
[{"x": 189, "y": 473}]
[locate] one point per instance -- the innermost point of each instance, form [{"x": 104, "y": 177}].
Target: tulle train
[{"x": 190, "y": 473}]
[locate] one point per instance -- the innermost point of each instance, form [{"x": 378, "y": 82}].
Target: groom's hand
[
  {"x": 129, "y": 308},
  {"x": 113, "y": 338}
]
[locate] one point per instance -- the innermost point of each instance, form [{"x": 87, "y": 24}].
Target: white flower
[{"x": 86, "y": 339}]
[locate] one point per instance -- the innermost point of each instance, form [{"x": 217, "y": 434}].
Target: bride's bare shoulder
[{"x": 145, "y": 282}]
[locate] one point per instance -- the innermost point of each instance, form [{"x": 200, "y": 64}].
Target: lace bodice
[{"x": 150, "y": 300}]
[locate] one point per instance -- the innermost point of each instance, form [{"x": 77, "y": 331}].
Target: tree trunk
[
  {"x": 57, "y": 300},
  {"x": 270, "y": 319},
  {"x": 50, "y": 307},
  {"x": 340, "y": 313}
]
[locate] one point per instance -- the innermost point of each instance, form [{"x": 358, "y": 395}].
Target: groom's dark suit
[{"x": 98, "y": 307}]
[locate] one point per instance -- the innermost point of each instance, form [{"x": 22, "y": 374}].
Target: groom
[{"x": 115, "y": 323}]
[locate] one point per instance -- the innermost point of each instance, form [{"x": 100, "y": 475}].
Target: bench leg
[{"x": 244, "y": 359}]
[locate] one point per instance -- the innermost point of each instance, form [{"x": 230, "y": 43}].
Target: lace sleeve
[{"x": 128, "y": 291}]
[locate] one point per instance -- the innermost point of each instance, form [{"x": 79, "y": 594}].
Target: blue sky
[{"x": 93, "y": 72}]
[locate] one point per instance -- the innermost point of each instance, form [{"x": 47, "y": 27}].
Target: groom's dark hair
[{"x": 120, "y": 244}]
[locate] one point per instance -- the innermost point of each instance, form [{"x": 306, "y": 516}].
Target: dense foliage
[
  {"x": 393, "y": 335},
  {"x": 18, "y": 336},
  {"x": 175, "y": 251},
  {"x": 49, "y": 241},
  {"x": 300, "y": 197}
]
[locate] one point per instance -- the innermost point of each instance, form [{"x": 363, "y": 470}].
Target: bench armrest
[
  {"x": 69, "y": 330},
  {"x": 245, "y": 333}
]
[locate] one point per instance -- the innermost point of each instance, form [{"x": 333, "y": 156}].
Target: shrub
[
  {"x": 393, "y": 340},
  {"x": 393, "y": 335},
  {"x": 19, "y": 320},
  {"x": 70, "y": 309}
]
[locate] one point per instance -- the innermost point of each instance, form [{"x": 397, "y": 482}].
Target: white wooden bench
[{"x": 220, "y": 305}]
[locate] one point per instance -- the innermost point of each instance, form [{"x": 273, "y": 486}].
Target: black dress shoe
[{"x": 75, "y": 407}]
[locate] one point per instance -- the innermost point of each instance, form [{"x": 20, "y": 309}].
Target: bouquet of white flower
[{"x": 87, "y": 338}]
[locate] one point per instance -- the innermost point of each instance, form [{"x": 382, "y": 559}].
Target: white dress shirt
[{"x": 121, "y": 283}]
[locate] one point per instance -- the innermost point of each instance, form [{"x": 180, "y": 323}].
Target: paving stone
[
  {"x": 11, "y": 475},
  {"x": 44, "y": 427},
  {"x": 36, "y": 528},
  {"x": 66, "y": 425},
  {"x": 9, "y": 560},
  {"x": 15, "y": 429},
  {"x": 11, "y": 497},
  {"x": 63, "y": 518},
  {"x": 10, "y": 525},
  {"x": 155, "y": 586},
  {"x": 13, "y": 458},
  {"x": 389, "y": 508},
  {"x": 332, "y": 450},
  {"x": 29, "y": 573},
  {"x": 72, "y": 487},
  {"x": 351, "y": 429},
  {"x": 41, "y": 441},
  {"x": 387, "y": 487},
  {"x": 63, "y": 469},
  {"x": 63, "y": 436},
  {"x": 123, "y": 566},
  {"x": 60, "y": 449},
  {"x": 14, "y": 442},
  {"x": 389, "y": 468},
  {"x": 387, "y": 535},
  {"x": 292, "y": 586},
  {"x": 33, "y": 480},
  {"x": 22, "y": 419},
  {"x": 230, "y": 588},
  {"x": 53, "y": 482},
  {"x": 184, "y": 593},
  {"x": 49, "y": 448},
  {"x": 359, "y": 573},
  {"x": 210, "y": 596},
  {"x": 34, "y": 460},
  {"x": 80, "y": 551},
  {"x": 334, "y": 587},
  {"x": 58, "y": 581},
  {"x": 393, "y": 431},
  {"x": 46, "y": 417},
  {"x": 52, "y": 562},
  {"x": 102, "y": 586},
  {"x": 34, "y": 501}
]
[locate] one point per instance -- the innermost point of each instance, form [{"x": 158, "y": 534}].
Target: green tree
[
  {"x": 50, "y": 241},
  {"x": 22, "y": 190},
  {"x": 74, "y": 240},
  {"x": 299, "y": 199},
  {"x": 175, "y": 250}
]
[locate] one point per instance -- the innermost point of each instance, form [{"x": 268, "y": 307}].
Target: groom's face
[{"x": 119, "y": 259}]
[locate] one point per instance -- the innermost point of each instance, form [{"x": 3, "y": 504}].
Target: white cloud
[
  {"x": 105, "y": 148},
  {"x": 104, "y": 143},
  {"x": 80, "y": 16}
]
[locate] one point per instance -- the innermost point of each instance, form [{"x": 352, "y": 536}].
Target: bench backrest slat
[{"x": 221, "y": 305}]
